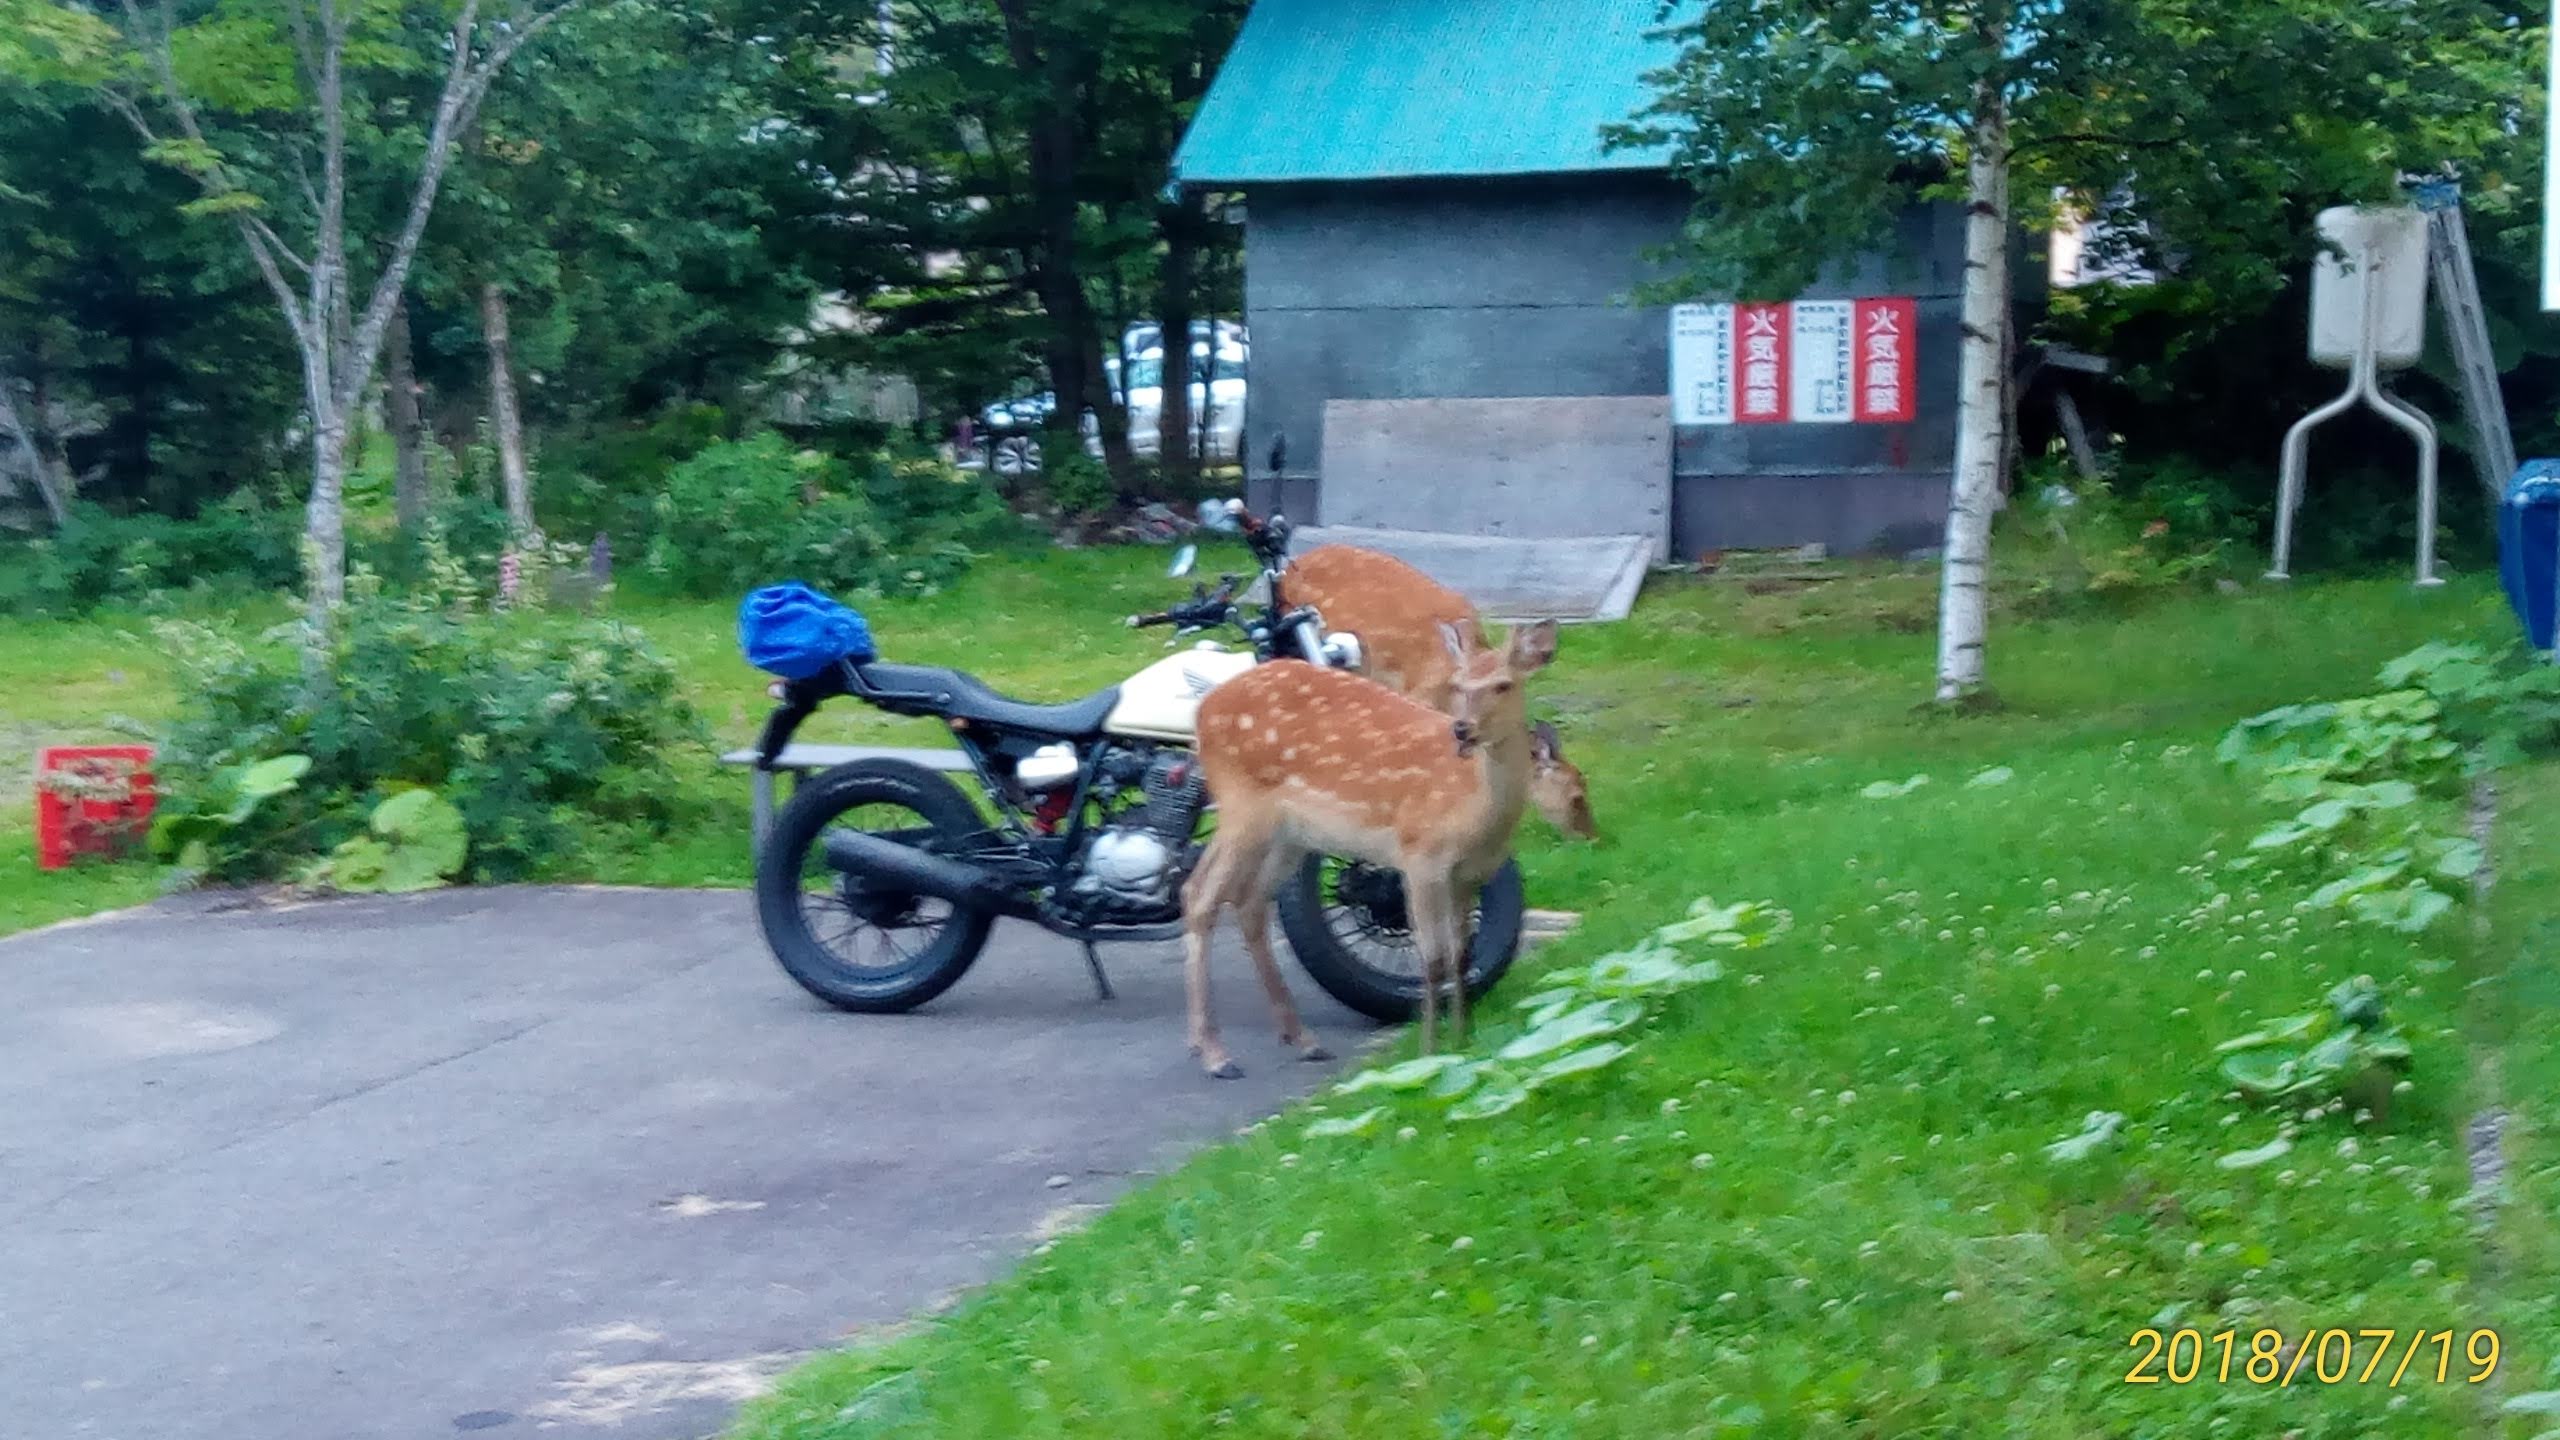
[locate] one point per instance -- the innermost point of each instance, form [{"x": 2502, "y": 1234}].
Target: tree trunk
[
  {"x": 1982, "y": 417},
  {"x": 1073, "y": 349},
  {"x": 44, "y": 468},
  {"x": 325, "y": 530},
  {"x": 503, "y": 416},
  {"x": 1179, "y": 223},
  {"x": 401, "y": 412}
]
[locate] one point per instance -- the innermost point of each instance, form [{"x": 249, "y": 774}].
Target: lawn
[{"x": 1818, "y": 1200}]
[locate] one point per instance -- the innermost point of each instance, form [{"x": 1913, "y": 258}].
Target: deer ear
[
  {"x": 1532, "y": 646},
  {"x": 1456, "y": 642},
  {"x": 1542, "y": 745}
]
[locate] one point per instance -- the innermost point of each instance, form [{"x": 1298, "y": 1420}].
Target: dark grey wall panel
[
  {"x": 1849, "y": 513},
  {"x": 1520, "y": 288}
]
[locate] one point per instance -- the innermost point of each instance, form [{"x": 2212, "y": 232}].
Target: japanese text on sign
[
  {"x": 1809, "y": 362},
  {"x": 1702, "y": 364}
]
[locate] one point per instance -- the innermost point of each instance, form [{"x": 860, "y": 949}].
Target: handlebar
[{"x": 1202, "y": 611}]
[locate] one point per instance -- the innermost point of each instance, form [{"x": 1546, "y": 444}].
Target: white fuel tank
[{"x": 1162, "y": 702}]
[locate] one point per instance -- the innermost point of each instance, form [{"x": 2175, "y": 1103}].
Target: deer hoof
[
  {"x": 1226, "y": 1070},
  {"x": 1315, "y": 1054}
]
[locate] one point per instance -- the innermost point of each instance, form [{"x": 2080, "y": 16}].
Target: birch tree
[
  {"x": 2205, "y": 131},
  {"x": 175, "y": 78}
]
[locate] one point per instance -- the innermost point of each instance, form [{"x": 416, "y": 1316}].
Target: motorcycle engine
[{"x": 1135, "y": 860}]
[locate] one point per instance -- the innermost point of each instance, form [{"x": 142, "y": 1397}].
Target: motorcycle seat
[{"x": 961, "y": 695}]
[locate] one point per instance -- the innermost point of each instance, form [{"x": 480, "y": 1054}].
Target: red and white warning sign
[
  {"x": 1809, "y": 362},
  {"x": 1886, "y": 368}
]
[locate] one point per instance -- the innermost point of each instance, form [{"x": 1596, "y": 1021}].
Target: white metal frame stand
[{"x": 2364, "y": 384}]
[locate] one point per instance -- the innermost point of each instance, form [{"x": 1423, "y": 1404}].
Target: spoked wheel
[
  {"x": 1348, "y": 924},
  {"x": 847, "y": 939}
]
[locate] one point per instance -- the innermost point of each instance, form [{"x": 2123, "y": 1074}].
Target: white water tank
[{"x": 2388, "y": 243}]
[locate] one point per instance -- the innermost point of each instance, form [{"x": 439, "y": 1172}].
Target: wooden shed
[{"x": 1441, "y": 257}]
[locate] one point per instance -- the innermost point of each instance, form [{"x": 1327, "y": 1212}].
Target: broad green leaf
[
  {"x": 2259, "y": 1073},
  {"x": 2326, "y": 815},
  {"x": 2274, "y": 1032},
  {"x": 2358, "y": 882},
  {"x": 2357, "y": 1001},
  {"x": 2390, "y": 795},
  {"x": 1996, "y": 775},
  {"x": 1645, "y": 972},
  {"x": 2331, "y": 1055},
  {"x": 1601, "y": 1017},
  {"x": 2281, "y": 834},
  {"x": 1360, "y": 1124},
  {"x": 2097, "y": 1130},
  {"x": 358, "y": 865},
  {"x": 1578, "y": 1062},
  {"x": 1495, "y": 1093},
  {"x": 1457, "y": 1080},
  {"x": 1409, "y": 1075},
  {"x": 269, "y": 778},
  {"x": 2459, "y": 860},
  {"x": 423, "y": 825},
  {"x": 2275, "y": 1149}
]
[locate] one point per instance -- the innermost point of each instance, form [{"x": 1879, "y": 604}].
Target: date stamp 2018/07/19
[{"x": 2320, "y": 1356}]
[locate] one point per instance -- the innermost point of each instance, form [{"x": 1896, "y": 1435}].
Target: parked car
[
  {"x": 1221, "y": 397},
  {"x": 1147, "y": 335}
]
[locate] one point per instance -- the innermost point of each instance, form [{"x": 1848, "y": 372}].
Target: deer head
[
  {"x": 1486, "y": 703},
  {"x": 1556, "y": 787}
]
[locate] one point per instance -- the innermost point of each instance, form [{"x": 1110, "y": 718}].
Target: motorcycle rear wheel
[
  {"x": 817, "y": 918},
  {"x": 1345, "y": 923}
]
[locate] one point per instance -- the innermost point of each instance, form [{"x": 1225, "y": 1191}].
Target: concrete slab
[
  {"x": 1532, "y": 467},
  {"x": 1570, "y": 580},
  {"x": 563, "y": 1159}
]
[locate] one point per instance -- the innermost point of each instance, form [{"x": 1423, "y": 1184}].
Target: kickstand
[{"x": 1093, "y": 962}]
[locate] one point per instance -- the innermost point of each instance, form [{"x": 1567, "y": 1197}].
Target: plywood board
[
  {"x": 1534, "y": 468},
  {"x": 1573, "y": 580}
]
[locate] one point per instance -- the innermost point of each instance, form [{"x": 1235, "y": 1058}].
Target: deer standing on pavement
[
  {"x": 1397, "y": 612},
  {"x": 1301, "y": 759}
]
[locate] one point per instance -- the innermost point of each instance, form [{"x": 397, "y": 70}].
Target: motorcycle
[{"x": 883, "y": 878}]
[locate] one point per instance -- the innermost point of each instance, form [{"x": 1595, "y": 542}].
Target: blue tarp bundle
[
  {"x": 793, "y": 631},
  {"x": 2529, "y": 548}
]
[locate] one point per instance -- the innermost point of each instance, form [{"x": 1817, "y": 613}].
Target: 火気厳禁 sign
[{"x": 1805, "y": 362}]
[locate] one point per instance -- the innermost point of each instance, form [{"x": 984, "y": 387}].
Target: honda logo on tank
[{"x": 1806, "y": 362}]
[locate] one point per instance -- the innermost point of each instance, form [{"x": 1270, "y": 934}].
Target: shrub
[
  {"x": 751, "y": 512},
  {"x": 1077, "y": 483},
  {"x": 531, "y": 728},
  {"x": 2075, "y": 541},
  {"x": 238, "y": 547}
]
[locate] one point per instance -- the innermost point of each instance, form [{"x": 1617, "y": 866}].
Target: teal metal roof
[{"x": 1389, "y": 89}]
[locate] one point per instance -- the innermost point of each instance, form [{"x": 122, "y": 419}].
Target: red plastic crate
[{"x": 91, "y": 800}]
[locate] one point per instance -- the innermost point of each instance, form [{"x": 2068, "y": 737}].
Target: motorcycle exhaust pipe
[{"x": 921, "y": 872}]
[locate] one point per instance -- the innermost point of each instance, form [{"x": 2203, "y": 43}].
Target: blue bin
[{"x": 2529, "y": 548}]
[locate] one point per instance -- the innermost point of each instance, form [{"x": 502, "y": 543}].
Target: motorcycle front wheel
[
  {"x": 1346, "y": 923},
  {"x": 853, "y": 943}
]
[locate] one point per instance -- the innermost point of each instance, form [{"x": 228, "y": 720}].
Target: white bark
[
  {"x": 339, "y": 346},
  {"x": 504, "y": 418},
  {"x": 1982, "y": 411},
  {"x": 51, "y": 478}
]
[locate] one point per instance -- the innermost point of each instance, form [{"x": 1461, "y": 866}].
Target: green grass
[{"x": 1817, "y": 1201}]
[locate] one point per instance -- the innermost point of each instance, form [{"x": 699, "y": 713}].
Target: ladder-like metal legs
[{"x": 2364, "y": 385}]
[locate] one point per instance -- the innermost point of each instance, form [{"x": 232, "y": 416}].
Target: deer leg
[
  {"x": 1253, "y": 916},
  {"x": 1202, "y": 899},
  {"x": 1422, "y": 912},
  {"x": 1455, "y": 948},
  {"x": 1435, "y": 933}
]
